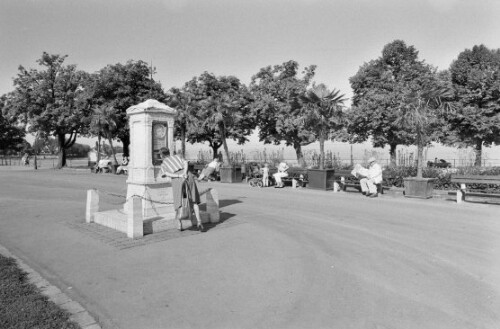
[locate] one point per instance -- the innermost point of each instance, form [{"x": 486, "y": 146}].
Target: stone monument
[
  {"x": 151, "y": 125},
  {"x": 149, "y": 206}
]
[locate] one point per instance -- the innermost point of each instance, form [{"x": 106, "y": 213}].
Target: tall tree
[
  {"x": 222, "y": 111},
  {"x": 104, "y": 123},
  {"x": 420, "y": 108},
  {"x": 120, "y": 86},
  {"x": 274, "y": 90},
  {"x": 475, "y": 75},
  {"x": 11, "y": 136},
  {"x": 322, "y": 112},
  {"x": 376, "y": 88},
  {"x": 184, "y": 101},
  {"x": 46, "y": 101}
]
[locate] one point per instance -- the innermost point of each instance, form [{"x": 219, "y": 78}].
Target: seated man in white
[
  {"x": 371, "y": 177},
  {"x": 123, "y": 167},
  {"x": 210, "y": 169},
  {"x": 282, "y": 172}
]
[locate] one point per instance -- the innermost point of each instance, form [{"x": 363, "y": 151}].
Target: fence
[
  {"x": 44, "y": 162},
  {"x": 50, "y": 162}
]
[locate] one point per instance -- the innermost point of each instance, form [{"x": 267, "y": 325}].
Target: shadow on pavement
[{"x": 225, "y": 203}]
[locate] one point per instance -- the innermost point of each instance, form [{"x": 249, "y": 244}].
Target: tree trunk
[
  {"x": 126, "y": 143},
  {"x": 321, "y": 151},
  {"x": 61, "y": 152},
  {"x": 479, "y": 153},
  {"x": 392, "y": 153},
  {"x": 300, "y": 155},
  {"x": 420, "y": 159},
  {"x": 183, "y": 142},
  {"x": 35, "y": 163},
  {"x": 224, "y": 143},
  {"x": 98, "y": 148},
  {"x": 352, "y": 159},
  {"x": 115, "y": 162},
  {"x": 215, "y": 148},
  {"x": 64, "y": 144}
]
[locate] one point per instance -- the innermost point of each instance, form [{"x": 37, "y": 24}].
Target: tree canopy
[
  {"x": 11, "y": 136},
  {"x": 221, "y": 111},
  {"x": 275, "y": 88},
  {"x": 475, "y": 76},
  {"x": 45, "y": 101},
  {"x": 120, "y": 86},
  {"x": 378, "y": 87},
  {"x": 322, "y": 113}
]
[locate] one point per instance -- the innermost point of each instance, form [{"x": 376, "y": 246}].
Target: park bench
[
  {"x": 474, "y": 181},
  {"x": 297, "y": 174},
  {"x": 345, "y": 179}
]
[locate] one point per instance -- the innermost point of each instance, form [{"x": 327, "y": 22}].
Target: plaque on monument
[{"x": 159, "y": 135}]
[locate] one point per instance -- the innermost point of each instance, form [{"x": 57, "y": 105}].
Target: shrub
[{"x": 393, "y": 176}]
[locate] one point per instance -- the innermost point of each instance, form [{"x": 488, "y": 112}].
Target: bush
[{"x": 393, "y": 176}]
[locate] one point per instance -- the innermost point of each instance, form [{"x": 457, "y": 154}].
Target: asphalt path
[{"x": 282, "y": 258}]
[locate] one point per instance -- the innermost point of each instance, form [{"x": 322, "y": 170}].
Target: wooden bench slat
[{"x": 475, "y": 179}]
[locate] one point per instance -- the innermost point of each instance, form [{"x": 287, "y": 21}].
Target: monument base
[
  {"x": 130, "y": 219},
  {"x": 157, "y": 199},
  {"x": 117, "y": 220}
]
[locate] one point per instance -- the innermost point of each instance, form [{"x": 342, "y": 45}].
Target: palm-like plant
[
  {"x": 420, "y": 109},
  {"x": 222, "y": 114},
  {"x": 104, "y": 124},
  {"x": 322, "y": 113},
  {"x": 184, "y": 101}
]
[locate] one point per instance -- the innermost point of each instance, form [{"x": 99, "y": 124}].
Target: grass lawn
[{"x": 23, "y": 306}]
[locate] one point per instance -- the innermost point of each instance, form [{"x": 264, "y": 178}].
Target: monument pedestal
[{"x": 149, "y": 196}]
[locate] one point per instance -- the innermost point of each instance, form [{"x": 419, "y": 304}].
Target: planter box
[
  {"x": 418, "y": 187},
  {"x": 320, "y": 179},
  {"x": 230, "y": 174}
]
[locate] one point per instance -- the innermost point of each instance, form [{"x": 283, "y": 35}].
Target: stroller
[{"x": 255, "y": 177}]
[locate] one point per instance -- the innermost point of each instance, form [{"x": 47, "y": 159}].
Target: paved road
[{"x": 281, "y": 259}]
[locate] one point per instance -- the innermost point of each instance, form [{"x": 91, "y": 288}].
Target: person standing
[
  {"x": 176, "y": 167},
  {"x": 282, "y": 172},
  {"x": 265, "y": 175},
  {"x": 372, "y": 178}
]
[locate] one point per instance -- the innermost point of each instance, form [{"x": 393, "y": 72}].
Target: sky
[{"x": 184, "y": 38}]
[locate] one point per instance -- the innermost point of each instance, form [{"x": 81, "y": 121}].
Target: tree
[
  {"x": 104, "y": 123},
  {"x": 420, "y": 109},
  {"x": 45, "y": 101},
  {"x": 11, "y": 136},
  {"x": 274, "y": 90},
  {"x": 222, "y": 111},
  {"x": 184, "y": 102},
  {"x": 475, "y": 76},
  {"x": 376, "y": 87},
  {"x": 322, "y": 112},
  {"x": 120, "y": 86}
]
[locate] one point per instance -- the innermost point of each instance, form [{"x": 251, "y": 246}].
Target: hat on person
[{"x": 372, "y": 159}]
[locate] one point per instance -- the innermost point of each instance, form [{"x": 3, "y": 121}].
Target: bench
[
  {"x": 463, "y": 180},
  {"x": 345, "y": 179},
  {"x": 296, "y": 174}
]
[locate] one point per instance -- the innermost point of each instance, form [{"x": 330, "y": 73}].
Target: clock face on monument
[{"x": 160, "y": 131}]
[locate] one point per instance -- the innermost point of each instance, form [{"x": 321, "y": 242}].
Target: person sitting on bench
[
  {"x": 371, "y": 177},
  {"x": 282, "y": 172},
  {"x": 210, "y": 169}
]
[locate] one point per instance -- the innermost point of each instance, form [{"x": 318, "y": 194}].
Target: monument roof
[{"x": 150, "y": 105}]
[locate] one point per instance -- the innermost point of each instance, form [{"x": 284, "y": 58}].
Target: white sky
[{"x": 183, "y": 38}]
